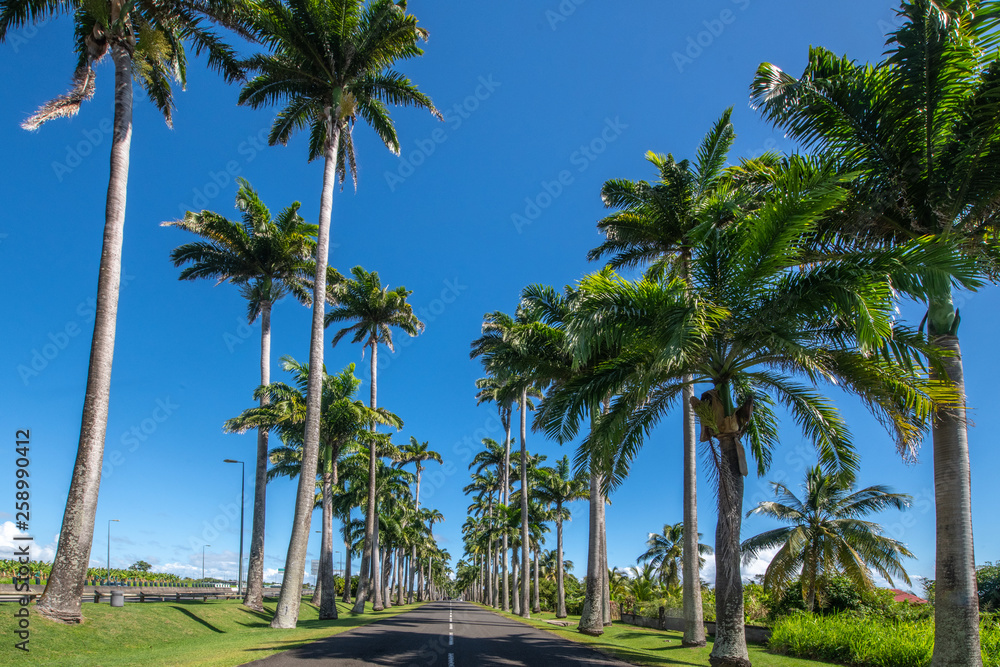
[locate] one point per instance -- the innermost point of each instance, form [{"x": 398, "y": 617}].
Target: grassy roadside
[
  {"x": 643, "y": 646},
  {"x": 218, "y": 633}
]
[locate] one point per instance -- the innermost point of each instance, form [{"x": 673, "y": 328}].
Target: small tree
[{"x": 140, "y": 566}]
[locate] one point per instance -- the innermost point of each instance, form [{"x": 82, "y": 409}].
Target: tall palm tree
[
  {"x": 761, "y": 312},
  {"x": 922, "y": 130},
  {"x": 267, "y": 258},
  {"x": 503, "y": 392},
  {"x": 664, "y": 550},
  {"x": 344, "y": 422},
  {"x": 653, "y": 227},
  {"x": 330, "y": 61},
  {"x": 417, "y": 452},
  {"x": 375, "y": 311},
  {"x": 146, "y": 41},
  {"x": 557, "y": 487},
  {"x": 506, "y": 357},
  {"x": 828, "y": 536}
]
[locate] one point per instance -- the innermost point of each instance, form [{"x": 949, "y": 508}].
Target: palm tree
[
  {"x": 267, "y": 258},
  {"x": 761, "y": 311},
  {"x": 664, "y": 550},
  {"x": 502, "y": 355},
  {"x": 921, "y": 130},
  {"x": 326, "y": 75},
  {"x": 558, "y": 487},
  {"x": 146, "y": 41},
  {"x": 827, "y": 535},
  {"x": 504, "y": 393},
  {"x": 653, "y": 227},
  {"x": 375, "y": 310},
  {"x": 417, "y": 452},
  {"x": 344, "y": 421}
]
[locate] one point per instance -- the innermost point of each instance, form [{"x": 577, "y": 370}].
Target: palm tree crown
[{"x": 827, "y": 535}]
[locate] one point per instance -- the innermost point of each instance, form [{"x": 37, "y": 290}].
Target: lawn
[
  {"x": 215, "y": 633},
  {"x": 642, "y": 646}
]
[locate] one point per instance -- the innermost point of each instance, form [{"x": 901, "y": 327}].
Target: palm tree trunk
[
  {"x": 605, "y": 578},
  {"x": 369, "y": 556},
  {"x": 517, "y": 597},
  {"x": 328, "y": 593},
  {"x": 413, "y": 571},
  {"x": 420, "y": 582},
  {"x": 592, "y": 615},
  {"x": 287, "y": 611},
  {"x": 254, "y": 596},
  {"x": 560, "y": 586},
  {"x": 524, "y": 504},
  {"x": 61, "y": 599},
  {"x": 490, "y": 600},
  {"x": 347, "y": 563},
  {"x": 536, "y": 603},
  {"x": 730, "y": 648},
  {"x": 506, "y": 501},
  {"x": 956, "y": 596},
  {"x": 694, "y": 625}
]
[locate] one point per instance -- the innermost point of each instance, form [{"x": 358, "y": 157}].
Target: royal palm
[
  {"x": 267, "y": 258},
  {"x": 558, "y": 486},
  {"x": 146, "y": 41},
  {"x": 763, "y": 320},
  {"x": 326, "y": 76},
  {"x": 375, "y": 311},
  {"x": 664, "y": 550},
  {"x": 922, "y": 127}
]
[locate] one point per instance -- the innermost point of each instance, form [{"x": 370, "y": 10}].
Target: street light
[
  {"x": 243, "y": 478},
  {"x": 203, "y": 561},
  {"x": 109, "y": 548}
]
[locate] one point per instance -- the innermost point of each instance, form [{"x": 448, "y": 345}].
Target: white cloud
[
  {"x": 747, "y": 570},
  {"x": 37, "y": 552}
]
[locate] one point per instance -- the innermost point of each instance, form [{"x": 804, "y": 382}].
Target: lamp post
[
  {"x": 203, "y": 561},
  {"x": 243, "y": 478},
  {"x": 109, "y": 548}
]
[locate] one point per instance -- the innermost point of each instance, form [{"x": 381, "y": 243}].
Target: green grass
[
  {"x": 868, "y": 641},
  {"x": 217, "y": 633},
  {"x": 643, "y": 646}
]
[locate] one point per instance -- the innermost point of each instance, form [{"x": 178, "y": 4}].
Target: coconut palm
[
  {"x": 762, "y": 313},
  {"x": 146, "y": 41},
  {"x": 664, "y": 550},
  {"x": 344, "y": 421},
  {"x": 267, "y": 258},
  {"x": 557, "y": 487},
  {"x": 827, "y": 535},
  {"x": 375, "y": 311},
  {"x": 653, "y": 228},
  {"x": 330, "y": 61},
  {"x": 922, "y": 130}
]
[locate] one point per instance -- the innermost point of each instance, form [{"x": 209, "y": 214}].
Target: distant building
[{"x": 903, "y": 596}]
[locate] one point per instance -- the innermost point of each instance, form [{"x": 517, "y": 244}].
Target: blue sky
[{"x": 543, "y": 102}]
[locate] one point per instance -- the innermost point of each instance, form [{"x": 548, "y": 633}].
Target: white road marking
[
  {"x": 451, "y": 660},
  {"x": 451, "y": 639},
  {"x": 450, "y": 627}
]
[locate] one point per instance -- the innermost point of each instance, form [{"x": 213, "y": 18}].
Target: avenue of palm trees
[{"x": 734, "y": 290}]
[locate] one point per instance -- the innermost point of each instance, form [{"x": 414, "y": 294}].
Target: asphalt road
[{"x": 444, "y": 634}]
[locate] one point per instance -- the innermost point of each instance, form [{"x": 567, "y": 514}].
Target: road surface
[{"x": 442, "y": 634}]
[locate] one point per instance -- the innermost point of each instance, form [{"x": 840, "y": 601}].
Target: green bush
[{"x": 868, "y": 641}]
